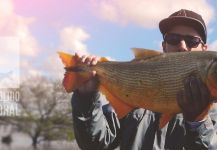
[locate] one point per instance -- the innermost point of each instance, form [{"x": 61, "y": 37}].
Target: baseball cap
[{"x": 184, "y": 17}]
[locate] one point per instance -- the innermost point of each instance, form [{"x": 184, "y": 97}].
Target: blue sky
[{"x": 97, "y": 27}]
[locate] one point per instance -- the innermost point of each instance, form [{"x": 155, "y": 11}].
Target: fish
[{"x": 151, "y": 80}]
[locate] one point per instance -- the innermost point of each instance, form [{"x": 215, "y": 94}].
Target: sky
[{"x": 107, "y": 28}]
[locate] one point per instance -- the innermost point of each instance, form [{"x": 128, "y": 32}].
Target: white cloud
[
  {"x": 16, "y": 42},
  {"x": 28, "y": 43},
  {"x": 17, "y": 26},
  {"x": 213, "y": 46},
  {"x": 73, "y": 38},
  {"x": 9, "y": 62},
  {"x": 54, "y": 67},
  {"x": 9, "y": 45},
  {"x": 9, "y": 80},
  {"x": 148, "y": 13},
  {"x": 28, "y": 70},
  {"x": 6, "y": 8}
]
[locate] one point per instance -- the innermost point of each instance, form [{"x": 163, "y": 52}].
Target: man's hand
[
  {"x": 194, "y": 100},
  {"x": 92, "y": 84}
]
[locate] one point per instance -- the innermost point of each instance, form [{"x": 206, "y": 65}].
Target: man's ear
[
  {"x": 204, "y": 47},
  {"x": 164, "y": 46}
]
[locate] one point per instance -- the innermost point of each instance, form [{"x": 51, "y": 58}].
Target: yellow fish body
[{"x": 150, "y": 81}]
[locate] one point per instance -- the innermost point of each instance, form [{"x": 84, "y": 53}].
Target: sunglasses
[{"x": 175, "y": 39}]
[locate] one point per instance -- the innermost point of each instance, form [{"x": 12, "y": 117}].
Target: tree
[{"x": 45, "y": 111}]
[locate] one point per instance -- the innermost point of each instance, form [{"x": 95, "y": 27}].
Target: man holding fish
[{"x": 97, "y": 126}]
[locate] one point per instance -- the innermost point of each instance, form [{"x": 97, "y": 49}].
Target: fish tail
[{"x": 75, "y": 74}]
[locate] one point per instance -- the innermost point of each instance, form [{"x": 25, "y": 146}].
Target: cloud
[
  {"x": 6, "y": 8},
  {"x": 28, "y": 70},
  {"x": 28, "y": 43},
  {"x": 13, "y": 25},
  {"x": 147, "y": 13},
  {"x": 9, "y": 80},
  {"x": 9, "y": 62},
  {"x": 54, "y": 67},
  {"x": 73, "y": 38},
  {"x": 213, "y": 46},
  {"x": 17, "y": 43}
]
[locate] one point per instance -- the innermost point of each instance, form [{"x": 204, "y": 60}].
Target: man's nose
[{"x": 182, "y": 46}]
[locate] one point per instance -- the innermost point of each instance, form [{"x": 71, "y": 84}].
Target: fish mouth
[{"x": 69, "y": 69}]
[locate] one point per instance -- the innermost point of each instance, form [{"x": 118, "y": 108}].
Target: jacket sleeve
[
  {"x": 95, "y": 126},
  {"x": 205, "y": 136}
]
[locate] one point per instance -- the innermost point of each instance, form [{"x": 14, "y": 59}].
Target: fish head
[
  {"x": 212, "y": 78},
  {"x": 68, "y": 60}
]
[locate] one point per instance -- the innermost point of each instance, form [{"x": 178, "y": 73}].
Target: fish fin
[
  {"x": 103, "y": 59},
  {"x": 72, "y": 80},
  {"x": 211, "y": 85},
  {"x": 121, "y": 108},
  {"x": 204, "y": 113},
  {"x": 67, "y": 59},
  {"x": 165, "y": 118},
  {"x": 142, "y": 53}
]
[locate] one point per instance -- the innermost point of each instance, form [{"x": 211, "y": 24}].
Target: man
[{"x": 97, "y": 127}]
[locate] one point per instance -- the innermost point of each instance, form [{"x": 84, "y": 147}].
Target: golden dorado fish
[{"x": 149, "y": 81}]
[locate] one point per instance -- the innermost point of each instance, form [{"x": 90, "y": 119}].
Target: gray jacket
[{"x": 97, "y": 127}]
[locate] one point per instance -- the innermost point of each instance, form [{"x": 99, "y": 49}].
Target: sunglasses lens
[
  {"x": 172, "y": 39},
  {"x": 192, "y": 41},
  {"x": 175, "y": 39}
]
